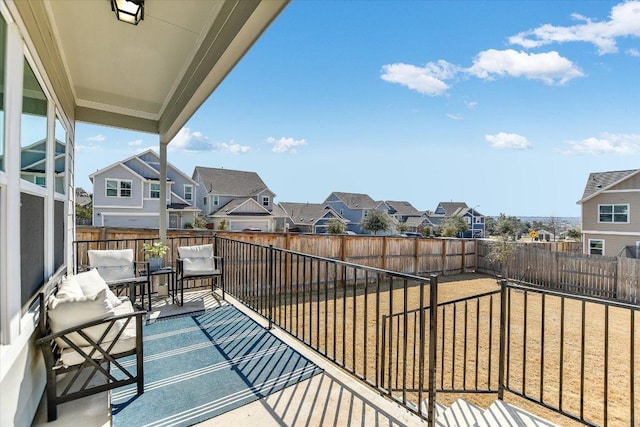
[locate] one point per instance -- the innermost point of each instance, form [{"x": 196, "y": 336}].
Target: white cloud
[
  {"x": 232, "y": 147},
  {"x": 470, "y": 104},
  {"x": 607, "y": 143},
  {"x": 549, "y": 67},
  {"x": 136, "y": 143},
  {"x": 507, "y": 140},
  {"x": 632, "y": 52},
  {"x": 96, "y": 138},
  {"x": 185, "y": 140},
  {"x": 285, "y": 145},
  {"x": 88, "y": 148},
  {"x": 455, "y": 116},
  {"x": 428, "y": 80},
  {"x": 624, "y": 21}
]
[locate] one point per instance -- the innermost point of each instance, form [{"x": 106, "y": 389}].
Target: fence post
[
  {"x": 503, "y": 335},
  {"x": 270, "y": 287},
  {"x": 433, "y": 339}
]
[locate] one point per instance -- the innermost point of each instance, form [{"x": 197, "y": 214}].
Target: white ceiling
[{"x": 152, "y": 76}]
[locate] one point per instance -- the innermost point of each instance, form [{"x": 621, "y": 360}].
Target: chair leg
[{"x": 52, "y": 405}]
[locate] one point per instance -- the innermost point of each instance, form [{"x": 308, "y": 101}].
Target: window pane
[
  {"x": 155, "y": 191},
  {"x": 33, "y": 129},
  {"x": 620, "y": 209},
  {"x": 606, "y": 209},
  {"x": 125, "y": 189},
  {"x": 112, "y": 188},
  {"x": 60, "y": 160},
  {"x": 3, "y": 40}
]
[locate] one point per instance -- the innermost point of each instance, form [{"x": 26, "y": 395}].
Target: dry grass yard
[{"x": 347, "y": 326}]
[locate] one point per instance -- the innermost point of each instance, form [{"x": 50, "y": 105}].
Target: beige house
[{"x": 611, "y": 213}]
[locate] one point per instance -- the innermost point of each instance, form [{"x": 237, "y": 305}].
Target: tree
[
  {"x": 453, "y": 226},
  {"x": 574, "y": 233},
  {"x": 376, "y": 221},
  {"x": 402, "y": 227},
  {"x": 507, "y": 226},
  {"x": 223, "y": 225},
  {"x": 335, "y": 226}
]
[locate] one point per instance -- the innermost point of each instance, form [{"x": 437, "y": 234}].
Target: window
[
  {"x": 366, "y": 214},
  {"x": 60, "y": 160},
  {"x": 154, "y": 191},
  {"x": 118, "y": 188},
  {"x": 33, "y": 129},
  {"x": 188, "y": 192},
  {"x": 596, "y": 247},
  {"x": 216, "y": 200},
  {"x": 613, "y": 213},
  {"x": 204, "y": 200},
  {"x": 265, "y": 200}
]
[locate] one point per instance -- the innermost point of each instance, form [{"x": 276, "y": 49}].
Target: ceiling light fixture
[{"x": 130, "y": 11}]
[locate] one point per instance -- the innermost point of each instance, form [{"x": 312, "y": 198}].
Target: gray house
[
  {"x": 236, "y": 200},
  {"x": 309, "y": 217},
  {"x": 127, "y": 194},
  {"x": 353, "y": 207},
  {"x": 474, "y": 219}
]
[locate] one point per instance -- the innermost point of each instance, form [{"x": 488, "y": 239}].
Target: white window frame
[
  {"x": 590, "y": 247},
  {"x": 216, "y": 200},
  {"x": 152, "y": 191},
  {"x": 119, "y": 188},
  {"x": 266, "y": 200},
  {"x": 613, "y": 213},
  {"x": 189, "y": 192}
]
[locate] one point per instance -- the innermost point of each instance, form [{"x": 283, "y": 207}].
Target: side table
[{"x": 170, "y": 272}]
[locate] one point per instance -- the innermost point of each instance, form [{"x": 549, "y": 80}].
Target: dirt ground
[{"x": 347, "y": 325}]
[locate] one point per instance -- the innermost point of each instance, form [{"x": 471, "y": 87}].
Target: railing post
[
  {"x": 270, "y": 287},
  {"x": 503, "y": 335},
  {"x": 433, "y": 338}
]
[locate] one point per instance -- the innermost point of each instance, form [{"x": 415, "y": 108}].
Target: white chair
[
  {"x": 198, "y": 262},
  {"x": 118, "y": 268}
]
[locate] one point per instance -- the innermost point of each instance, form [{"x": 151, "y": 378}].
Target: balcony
[{"x": 371, "y": 333}]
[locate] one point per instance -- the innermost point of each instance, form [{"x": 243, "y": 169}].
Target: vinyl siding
[
  {"x": 590, "y": 212},
  {"x": 612, "y": 243}
]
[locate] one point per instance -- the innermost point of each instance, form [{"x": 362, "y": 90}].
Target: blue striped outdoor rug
[{"x": 198, "y": 367}]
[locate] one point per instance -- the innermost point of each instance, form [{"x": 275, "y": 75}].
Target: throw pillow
[
  {"x": 91, "y": 283},
  {"x": 69, "y": 288},
  {"x": 71, "y": 312}
]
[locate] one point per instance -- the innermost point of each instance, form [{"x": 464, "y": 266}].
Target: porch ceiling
[{"x": 151, "y": 77}]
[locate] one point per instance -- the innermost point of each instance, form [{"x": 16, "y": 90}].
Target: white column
[
  {"x": 10, "y": 290},
  {"x": 163, "y": 193}
]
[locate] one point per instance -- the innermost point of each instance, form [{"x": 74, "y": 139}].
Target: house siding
[
  {"x": 613, "y": 244},
  {"x": 118, "y": 172},
  {"x": 590, "y": 212}
]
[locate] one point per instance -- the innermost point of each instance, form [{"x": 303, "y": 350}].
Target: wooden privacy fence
[
  {"x": 555, "y": 265},
  {"x": 401, "y": 254},
  {"x": 575, "y": 273}
]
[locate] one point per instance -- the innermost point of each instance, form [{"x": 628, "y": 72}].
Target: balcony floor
[{"x": 332, "y": 398}]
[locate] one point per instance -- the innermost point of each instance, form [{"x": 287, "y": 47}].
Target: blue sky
[{"x": 508, "y": 105}]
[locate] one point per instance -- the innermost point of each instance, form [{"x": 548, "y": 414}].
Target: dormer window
[
  {"x": 216, "y": 200},
  {"x": 265, "y": 200}
]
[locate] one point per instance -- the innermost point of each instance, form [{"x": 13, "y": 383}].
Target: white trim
[
  {"x": 612, "y": 233},
  {"x": 629, "y": 190},
  {"x": 150, "y": 190},
  {"x": 609, "y": 186},
  {"x": 596, "y": 240},
  {"x": 10, "y": 296},
  {"x": 117, "y": 206},
  {"x": 118, "y": 188},
  {"x": 184, "y": 192},
  {"x": 613, "y": 214},
  {"x": 103, "y": 214}
]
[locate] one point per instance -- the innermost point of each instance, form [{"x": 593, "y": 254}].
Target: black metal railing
[
  {"x": 572, "y": 354},
  {"x": 337, "y": 308},
  {"x": 468, "y": 333}
]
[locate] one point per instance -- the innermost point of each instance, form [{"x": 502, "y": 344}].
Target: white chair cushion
[
  {"x": 198, "y": 251},
  {"x": 197, "y": 260},
  {"x": 126, "y": 342},
  {"x": 69, "y": 288},
  {"x": 91, "y": 282},
  {"x": 113, "y": 264},
  {"x": 71, "y": 312}
]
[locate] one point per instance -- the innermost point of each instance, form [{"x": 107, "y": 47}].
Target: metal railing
[
  {"x": 571, "y": 354},
  {"x": 336, "y": 308},
  {"x": 468, "y": 334}
]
